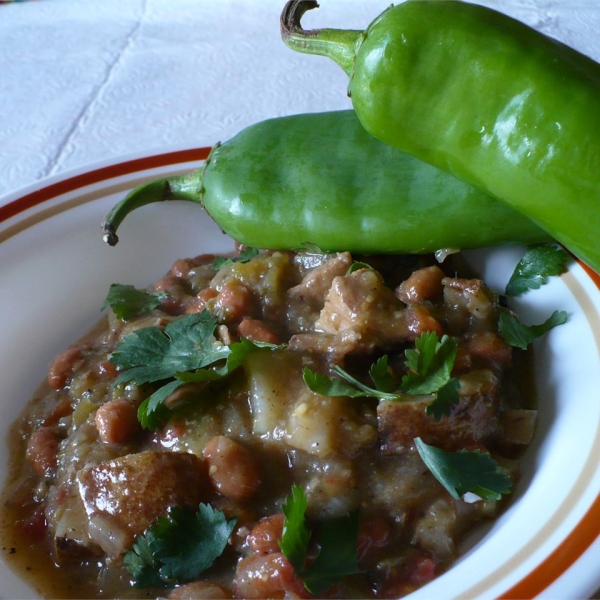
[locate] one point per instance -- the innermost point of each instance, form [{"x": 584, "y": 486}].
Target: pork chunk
[
  {"x": 474, "y": 420},
  {"x": 124, "y": 496},
  {"x": 362, "y": 303}
]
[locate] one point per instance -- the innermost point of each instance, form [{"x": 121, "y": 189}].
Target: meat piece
[
  {"x": 362, "y": 303},
  {"x": 473, "y": 420},
  {"x": 422, "y": 285},
  {"x": 470, "y": 305},
  {"x": 315, "y": 285},
  {"x": 124, "y": 496}
]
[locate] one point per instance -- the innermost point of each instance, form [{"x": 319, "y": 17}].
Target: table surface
[{"x": 84, "y": 81}]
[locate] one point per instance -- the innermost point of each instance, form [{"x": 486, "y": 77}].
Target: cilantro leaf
[
  {"x": 381, "y": 376},
  {"x": 430, "y": 363},
  {"x": 151, "y": 354},
  {"x": 533, "y": 270},
  {"x": 445, "y": 398},
  {"x": 140, "y": 562},
  {"x": 128, "y": 302},
  {"x": 461, "y": 472},
  {"x": 336, "y": 539},
  {"x": 179, "y": 547},
  {"x": 152, "y": 412},
  {"x": 347, "y": 386},
  {"x": 357, "y": 265},
  {"x": 516, "y": 334},
  {"x": 296, "y": 533},
  {"x": 337, "y": 557},
  {"x": 244, "y": 256}
]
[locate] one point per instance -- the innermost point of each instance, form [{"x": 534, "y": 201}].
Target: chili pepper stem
[
  {"x": 338, "y": 44},
  {"x": 183, "y": 187}
]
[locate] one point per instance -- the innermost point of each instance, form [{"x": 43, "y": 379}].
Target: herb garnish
[
  {"x": 244, "y": 256},
  {"x": 127, "y": 302},
  {"x": 430, "y": 367},
  {"x": 516, "y": 334},
  {"x": 182, "y": 351},
  {"x": 463, "y": 471},
  {"x": 179, "y": 547},
  {"x": 336, "y": 540},
  {"x": 533, "y": 270}
]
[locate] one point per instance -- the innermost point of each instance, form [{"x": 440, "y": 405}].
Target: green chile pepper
[
  {"x": 322, "y": 179},
  {"x": 483, "y": 97}
]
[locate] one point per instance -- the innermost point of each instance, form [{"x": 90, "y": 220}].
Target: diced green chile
[
  {"x": 483, "y": 97},
  {"x": 321, "y": 179}
]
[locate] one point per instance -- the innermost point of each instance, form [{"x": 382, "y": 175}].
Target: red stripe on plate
[{"x": 78, "y": 181}]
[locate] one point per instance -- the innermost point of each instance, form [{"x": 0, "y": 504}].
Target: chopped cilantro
[
  {"x": 184, "y": 352},
  {"x": 336, "y": 540},
  {"x": 152, "y": 354},
  {"x": 445, "y": 398},
  {"x": 381, "y": 376},
  {"x": 516, "y": 334},
  {"x": 244, "y": 256},
  {"x": 461, "y": 472},
  {"x": 152, "y": 412},
  {"x": 357, "y": 265},
  {"x": 127, "y": 302},
  {"x": 347, "y": 386},
  {"x": 430, "y": 367},
  {"x": 430, "y": 363},
  {"x": 179, "y": 547},
  {"x": 533, "y": 270},
  {"x": 296, "y": 533}
]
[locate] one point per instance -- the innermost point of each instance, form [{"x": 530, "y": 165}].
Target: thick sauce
[{"x": 87, "y": 478}]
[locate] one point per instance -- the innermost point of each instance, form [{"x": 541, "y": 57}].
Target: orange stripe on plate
[
  {"x": 574, "y": 545},
  {"x": 88, "y": 178}
]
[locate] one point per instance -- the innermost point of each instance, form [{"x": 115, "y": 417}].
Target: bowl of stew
[{"x": 84, "y": 481}]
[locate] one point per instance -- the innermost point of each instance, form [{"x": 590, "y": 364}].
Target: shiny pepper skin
[
  {"x": 322, "y": 179},
  {"x": 483, "y": 97}
]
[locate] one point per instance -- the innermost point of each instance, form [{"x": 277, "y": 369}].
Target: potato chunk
[{"x": 124, "y": 496}]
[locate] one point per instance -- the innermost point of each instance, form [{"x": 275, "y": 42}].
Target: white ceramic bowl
[{"x": 55, "y": 272}]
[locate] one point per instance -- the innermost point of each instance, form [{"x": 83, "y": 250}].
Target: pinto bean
[
  {"x": 232, "y": 469},
  {"x": 265, "y": 535},
  {"x": 233, "y": 301},
  {"x": 198, "y": 303},
  {"x": 423, "y": 284},
  {"x": 267, "y": 576},
  {"x": 199, "y": 590},
  {"x": 257, "y": 331},
  {"x": 61, "y": 368},
  {"x": 42, "y": 450},
  {"x": 182, "y": 266},
  {"x": 116, "y": 421}
]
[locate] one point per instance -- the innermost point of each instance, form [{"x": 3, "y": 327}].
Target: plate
[{"x": 55, "y": 272}]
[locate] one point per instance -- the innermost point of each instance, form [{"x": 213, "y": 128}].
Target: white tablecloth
[{"x": 89, "y": 80}]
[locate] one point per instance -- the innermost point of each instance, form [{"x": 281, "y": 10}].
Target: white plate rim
[{"x": 52, "y": 195}]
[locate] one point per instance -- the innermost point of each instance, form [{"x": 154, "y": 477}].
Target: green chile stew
[{"x": 267, "y": 425}]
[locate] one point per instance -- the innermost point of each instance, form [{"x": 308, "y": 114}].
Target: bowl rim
[{"x": 39, "y": 196}]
